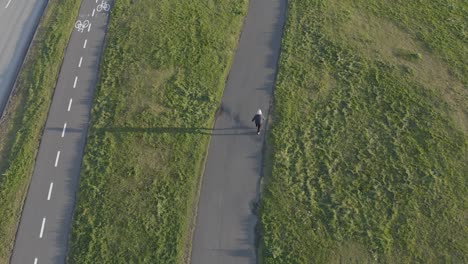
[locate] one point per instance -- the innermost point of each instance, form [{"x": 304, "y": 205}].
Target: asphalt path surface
[
  {"x": 18, "y": 22},
  {"x": 225, "y": 228},
  {"x": 46, "y": 217}
]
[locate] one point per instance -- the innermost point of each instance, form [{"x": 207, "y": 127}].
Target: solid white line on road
[
  {"x": 50, "y": 191},
  {"x": 84, "y": 45},
  {"x": 94, "y": 10},
  {"x": 35, "y": 261},
  {"x": 79, "y": 64},
  {"x": 57, "y": 158},
  {"x": 76, "y": 79},
  {"x": 9, "y": 3},
  {"x": 89, "y": 28},
  {"x": 64, "y": 127},
  {"x": 42, "y": 228},
  {"x": 69, "y": 105}
]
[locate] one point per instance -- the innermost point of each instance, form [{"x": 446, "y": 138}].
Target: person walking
[{"x": 258, "y": 118}]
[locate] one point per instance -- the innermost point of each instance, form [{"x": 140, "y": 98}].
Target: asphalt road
[
  {"x": 46, "y": 217},
  {"x": 18, "y": 22},
  {"x": 225, "y": 226}
]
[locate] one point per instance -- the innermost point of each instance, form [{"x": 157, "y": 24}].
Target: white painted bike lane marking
[
  {"x": 9, "y": 1},
  {"x": 64, "y": 128},
  {"x": 57, "y": 158},
  {"x": 69, "y": 104},
  {"x": 42, "y": 227},
  {"x": 50, "y": 191}
]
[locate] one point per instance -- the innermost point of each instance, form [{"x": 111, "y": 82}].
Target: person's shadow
[{"x": 242, "y": 130}]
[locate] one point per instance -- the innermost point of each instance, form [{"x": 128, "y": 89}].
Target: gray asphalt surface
[
  {"x": 18, "y": 22},
  {"x": 225, "y": 220},
  {"x": 45, "y": 222}
]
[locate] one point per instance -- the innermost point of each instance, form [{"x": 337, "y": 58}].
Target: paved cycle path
[
  {"x": 224, "y": 231},
  {"x": 18, "y": 22},
  {"x": 46, "y": 217}
]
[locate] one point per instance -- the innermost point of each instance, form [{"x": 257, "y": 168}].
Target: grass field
[
  {"x": 368, "y": 148},
  {"x": 25, "y": 116},
  {"x": 161, "y": 81}
]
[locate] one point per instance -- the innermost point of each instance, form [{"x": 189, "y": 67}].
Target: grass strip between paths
[
  {"x": 161, "y": 81},
  {"x": 25, "y": 115},
  {"x": 369, "y": 137}
]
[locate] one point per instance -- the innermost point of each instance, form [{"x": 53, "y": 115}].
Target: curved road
[
  {"x": 225, "y": 231},
  {"x": 43, "y": 230},
  {"x": 18, "y": 22}
]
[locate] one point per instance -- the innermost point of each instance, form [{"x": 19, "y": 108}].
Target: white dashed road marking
[
  {"x": 35, "y": 261},
  {"x": 84, "y": 45},
  {"x": 76, "y": 79},
  {"x": 9, "y": 1},
  {"x": 64, "y": 128},
  {"x": 89, "y": 28},
  {"x": 79, "y": 64},
  {"x": 57, "y": 158},
  {"x": 69, "y": 105},
  {"x": 94, "y": 10},
  {"x": 42, "y": 227},
  {"x": 50, "y": 191}
]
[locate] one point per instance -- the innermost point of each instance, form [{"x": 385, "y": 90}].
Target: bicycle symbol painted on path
[
  {"x": 81, "y": 26},
  {"x": 103, "y": 6}
]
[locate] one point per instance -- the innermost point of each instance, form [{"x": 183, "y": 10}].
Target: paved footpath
[
  {"x": 46, "y": 217},
  {"x": 225, "y": 221},
  {"x": 18, "y": 22}
]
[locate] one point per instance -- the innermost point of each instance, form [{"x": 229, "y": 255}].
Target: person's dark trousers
[{"x": 258, "y": 128}]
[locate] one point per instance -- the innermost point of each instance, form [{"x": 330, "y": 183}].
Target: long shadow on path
[{"x": 183, "y": 130}]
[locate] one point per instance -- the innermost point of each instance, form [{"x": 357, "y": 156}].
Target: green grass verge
[
  {"x": 369, "y": 135},
  {"x": 21, "y": 128},
  {"x": 161, "y": 81}
]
